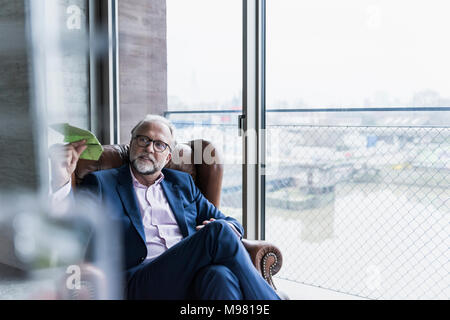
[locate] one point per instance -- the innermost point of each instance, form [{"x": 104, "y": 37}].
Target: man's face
[{"x": 146, "y": 160}]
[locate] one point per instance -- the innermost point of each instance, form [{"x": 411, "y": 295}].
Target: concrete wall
[
  {"x": 17, "y": 139},
  {"x": 142, "y": 61},
  {"x": 63, "y": 76}
]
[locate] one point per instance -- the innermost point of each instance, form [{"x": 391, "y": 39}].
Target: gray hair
[{"x": 156, "y": 118}]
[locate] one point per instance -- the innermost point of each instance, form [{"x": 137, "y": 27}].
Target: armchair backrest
[{"x": 186, "y": 157}]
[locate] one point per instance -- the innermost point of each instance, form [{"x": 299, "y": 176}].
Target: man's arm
[
  {"x": 64, "y": 159},
  {"x": 204, "y": 223},
  {"x": 62, "y": 198},
  {"x": 62, "y": 193},
  {"x": 207, "y": 212}
]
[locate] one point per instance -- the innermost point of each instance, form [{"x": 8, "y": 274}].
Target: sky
[{"x": 321, "y": 53}]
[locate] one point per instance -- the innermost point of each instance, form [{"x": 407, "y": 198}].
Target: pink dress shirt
[{"x": 160, "y": 226}]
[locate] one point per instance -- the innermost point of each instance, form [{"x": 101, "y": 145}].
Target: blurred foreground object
[{"x": 43, "y": 251}]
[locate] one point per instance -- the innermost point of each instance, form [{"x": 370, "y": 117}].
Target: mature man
[{"x": 177, "y": 245}]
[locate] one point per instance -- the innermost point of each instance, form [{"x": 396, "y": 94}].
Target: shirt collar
[{"x": 137, "y": 184}]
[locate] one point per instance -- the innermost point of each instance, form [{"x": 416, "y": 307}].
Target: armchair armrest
[{"x": 266, "y": 257}]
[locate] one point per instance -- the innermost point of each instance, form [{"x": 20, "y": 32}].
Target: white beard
[{"x": 144, "y": 167}]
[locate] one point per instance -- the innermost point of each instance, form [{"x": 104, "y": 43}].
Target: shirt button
[{"x": 141, "y": 259}]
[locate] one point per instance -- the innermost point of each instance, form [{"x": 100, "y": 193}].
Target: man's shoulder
[{"x": 108, "y": 174}]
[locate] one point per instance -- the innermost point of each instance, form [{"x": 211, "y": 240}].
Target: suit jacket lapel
[
  {"x": 129, "y": 200},
  {"x": 176, "y": 204}
]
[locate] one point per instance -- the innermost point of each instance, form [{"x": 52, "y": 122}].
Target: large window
[
  {"x": 358, "y": 95},
  {"x": 204, "y": 75}
]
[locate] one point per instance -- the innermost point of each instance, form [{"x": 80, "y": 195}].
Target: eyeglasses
[{"x": 158, "y": 145}]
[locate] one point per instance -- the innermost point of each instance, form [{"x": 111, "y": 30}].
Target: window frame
[
  {"x": 103, "y": 71},
  {"x": 253, "y": 179}
]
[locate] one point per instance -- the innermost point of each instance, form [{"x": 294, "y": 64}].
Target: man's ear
[{"x": 169, "y": 157}]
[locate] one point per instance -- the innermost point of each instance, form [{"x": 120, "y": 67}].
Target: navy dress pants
[{"x": 210, "y": 264}]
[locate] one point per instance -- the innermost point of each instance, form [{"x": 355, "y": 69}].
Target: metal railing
[{"x": 362, "y": 210}]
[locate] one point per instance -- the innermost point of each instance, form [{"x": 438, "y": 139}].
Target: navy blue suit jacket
[{"x": 114, "y": 187}]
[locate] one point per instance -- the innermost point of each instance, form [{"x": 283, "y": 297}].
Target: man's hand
[
  {"x": 204, "y": 223},
  {"x": 64, "y": 159}
]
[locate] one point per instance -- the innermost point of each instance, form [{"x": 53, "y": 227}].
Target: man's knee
[
  {"x": 216, "y": 279},
  {"x": 215, "y": 273},
  {"x": 226, "y": 242}
]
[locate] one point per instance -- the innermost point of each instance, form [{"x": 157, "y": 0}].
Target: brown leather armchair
[{"x": 266, "y": 257}]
